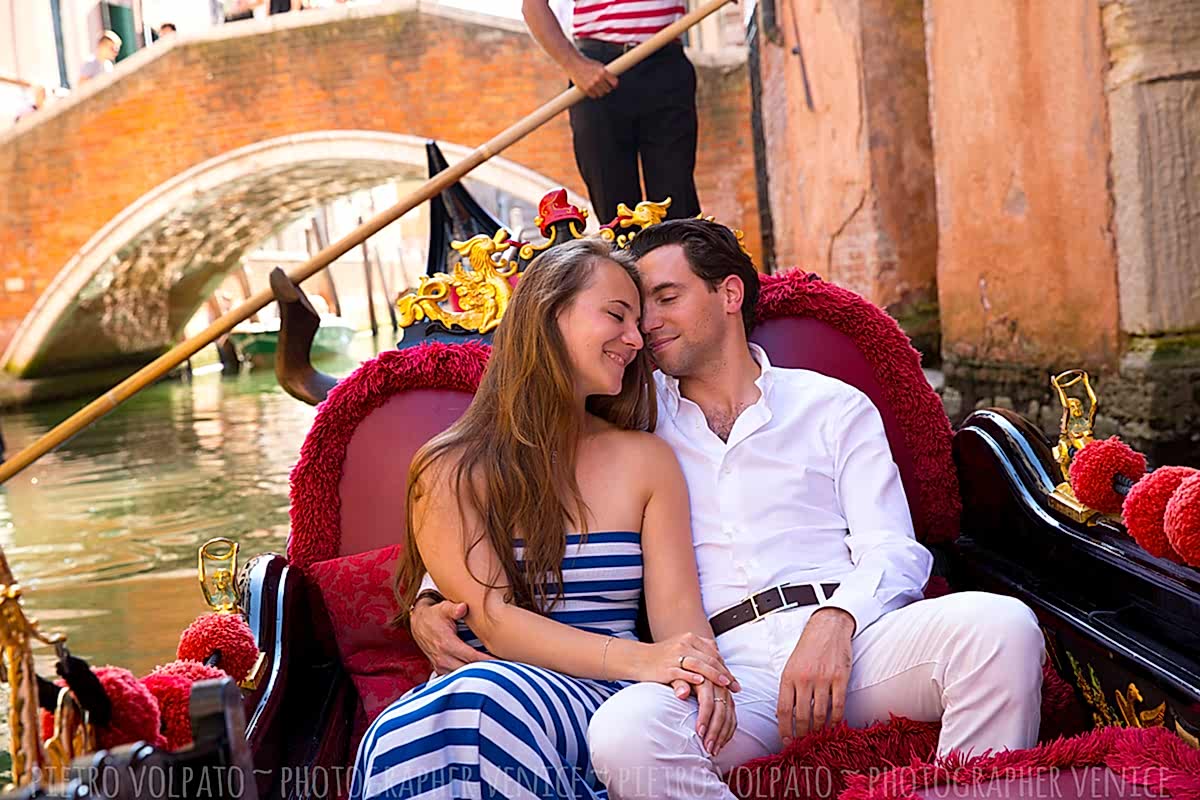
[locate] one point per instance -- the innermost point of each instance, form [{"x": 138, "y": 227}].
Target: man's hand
[
  {"x": 434, "y": 629},
  {"x": 592, "y": 78},
  {"x": 816, "y": 675}
]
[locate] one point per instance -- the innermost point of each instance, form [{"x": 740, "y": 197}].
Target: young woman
[{"x": 548, "y": 509}]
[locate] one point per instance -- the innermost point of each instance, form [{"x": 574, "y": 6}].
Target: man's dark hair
[{"x": 712, "y": 251}]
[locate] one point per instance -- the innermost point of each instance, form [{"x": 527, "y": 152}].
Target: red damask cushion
[{"x": 381, "y": 659}]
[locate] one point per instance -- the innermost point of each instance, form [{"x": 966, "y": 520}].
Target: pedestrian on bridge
[{"x": 107, "y": 48}]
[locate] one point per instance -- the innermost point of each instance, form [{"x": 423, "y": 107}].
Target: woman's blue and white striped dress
[{"x": 499, "y": 729}]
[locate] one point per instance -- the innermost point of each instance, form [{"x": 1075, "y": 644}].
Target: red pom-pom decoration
[
  {"x": 228, "y": 633},
  {"x": 135, "y": 715},
  {"x": 192, "y": 670},
  {"x": 1145, "y": 506},
  {"x": 1093, "y": 468},
  {"x": 1182, "y": 521},
  {"x": 174, "y": 694}
]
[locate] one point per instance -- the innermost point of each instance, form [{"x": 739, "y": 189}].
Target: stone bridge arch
[{"x": 128, "y": 292}]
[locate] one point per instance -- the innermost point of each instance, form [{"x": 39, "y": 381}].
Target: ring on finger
[
  {"x": 681, "y": 658},
  {"x": 720, "y": 700}
]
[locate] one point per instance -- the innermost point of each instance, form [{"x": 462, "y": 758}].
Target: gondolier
[{"x": 649, "y": 113}]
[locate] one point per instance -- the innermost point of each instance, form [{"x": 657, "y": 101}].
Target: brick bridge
[{"x": 126, "y": 204}]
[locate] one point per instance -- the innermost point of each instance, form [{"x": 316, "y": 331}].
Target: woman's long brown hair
[{"x": 511, "y": 457}]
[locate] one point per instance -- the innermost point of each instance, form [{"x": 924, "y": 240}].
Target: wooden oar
[
  {"x": 187, "y": 348},
  {"x": 16, "y": 81}
]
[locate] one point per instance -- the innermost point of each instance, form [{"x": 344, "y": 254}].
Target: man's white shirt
[{"x": 804, "y": 491}]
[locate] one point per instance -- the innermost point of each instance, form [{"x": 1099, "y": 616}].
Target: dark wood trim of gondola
[
  {"x": 1127, "y": 614},
  {"x": 297, "y": 721}
]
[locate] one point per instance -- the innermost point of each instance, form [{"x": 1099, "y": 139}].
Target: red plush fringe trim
[
  {"x": 315, "y": 502},
  {"x": 816, "y": 767},
  {"x": 1150, "y": 757},
  {"x": 897, "y": 366},
  {"x": 820, "y": 766}
]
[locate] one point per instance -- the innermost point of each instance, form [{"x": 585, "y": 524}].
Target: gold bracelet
[{"x": 604, "y": 658}]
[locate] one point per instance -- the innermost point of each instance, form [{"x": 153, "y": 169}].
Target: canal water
[{"x": 103, "y": 533}]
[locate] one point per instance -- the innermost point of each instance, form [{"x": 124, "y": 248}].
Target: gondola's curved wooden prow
[{"x": 298, "y": 324}]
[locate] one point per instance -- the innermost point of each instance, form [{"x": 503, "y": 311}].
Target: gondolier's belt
[
  {"x": 614, "y": 49},
  {"x": 768, "y": 601}
]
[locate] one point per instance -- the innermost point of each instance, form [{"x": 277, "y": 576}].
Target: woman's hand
[
  {"x": 686, "y": 657},
  {"x": 717, "y": 719}
]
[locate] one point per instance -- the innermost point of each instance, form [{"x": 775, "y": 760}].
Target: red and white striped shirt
[{"x": 624, "y": 21}]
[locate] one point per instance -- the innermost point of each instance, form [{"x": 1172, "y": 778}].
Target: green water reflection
[{"x": 104, "y": 531}]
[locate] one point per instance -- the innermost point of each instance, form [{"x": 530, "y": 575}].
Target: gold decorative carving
[
  {"x": 17, "y": 634},
  {"x": 482, "y": 291},
  {"x": 642, "y": 216},
  {"x": 73, "y": 736},
  {"x": 527, "y": 251},
  {"x": 1075, "y": 433},
  {"x": 1149, "y": 718},
  {"x": 1127, "y": 714},
  {"x": 474, "y": 297},
  {"x": 1077, "y": 424}
]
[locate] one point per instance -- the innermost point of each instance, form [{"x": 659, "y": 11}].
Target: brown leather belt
[{"x": 768, "y": 601}]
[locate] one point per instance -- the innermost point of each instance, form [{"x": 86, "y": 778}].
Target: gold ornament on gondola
[
  {"x": 475, "y": 295},
  {"x": 481, "y": 292},
  {"x": 72, "y": 733},
  {"x": 642, "y": 216},
  {"x": 1076, "y": 431},
  {"x": 1139, "y": 718}
]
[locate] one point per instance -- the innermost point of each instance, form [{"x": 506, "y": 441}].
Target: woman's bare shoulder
[{"x": 642, "y": 448}]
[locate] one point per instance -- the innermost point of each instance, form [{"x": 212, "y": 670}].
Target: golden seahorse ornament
[{"x": 482, "y": 292}]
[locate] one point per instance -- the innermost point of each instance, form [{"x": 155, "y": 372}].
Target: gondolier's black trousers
[{"x": 651, "y": 114}]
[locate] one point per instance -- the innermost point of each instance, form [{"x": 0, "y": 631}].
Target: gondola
[{"x": 990, "y": 499}]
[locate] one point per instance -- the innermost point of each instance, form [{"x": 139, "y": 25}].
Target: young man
[
  {"x": 649, "y": 112},
  {"x": 107, "y": 48},
  {"x": 796, "y": 503}
]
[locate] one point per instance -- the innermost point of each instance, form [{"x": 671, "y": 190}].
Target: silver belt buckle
[{"x": 784, "y": 605}]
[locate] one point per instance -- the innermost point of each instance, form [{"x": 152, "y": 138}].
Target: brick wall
[{"x": 850, "y": 178}]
